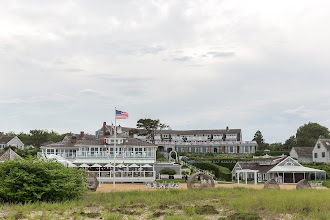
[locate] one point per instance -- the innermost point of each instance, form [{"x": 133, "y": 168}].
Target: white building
[
  {"x": 321, "y": 151},
  {"x": 284, "y": 169},
  {"x": 302, "y": 154},
  {"x": 134, "y": 158},
  {"x": 193, "y": 141},
  {"x": 6, "y": 141}
]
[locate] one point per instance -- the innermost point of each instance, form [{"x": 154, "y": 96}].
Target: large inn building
[{"x": 194, "y": 141}]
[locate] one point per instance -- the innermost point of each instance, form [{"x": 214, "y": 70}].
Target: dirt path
[{"x": 136, "y": 186}]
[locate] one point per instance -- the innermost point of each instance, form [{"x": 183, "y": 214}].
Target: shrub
[
  {"x": 34, "y": 180},
  {"x": 219, "y": 171},
  {"x": 168, "y": 171}
]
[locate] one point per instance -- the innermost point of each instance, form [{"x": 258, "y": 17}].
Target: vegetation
[
  {"x": 271, "y": 153},
  {"x": 151, "y": 127},
  {"x": 221, "y": 173},
  {"x": 37, "y": 137},
  {"x": 33, "y": 180},
  {"x": 308, "y": 134},
  {"x": 209, "y": 203},
  {"x": 25, "y": 152}
]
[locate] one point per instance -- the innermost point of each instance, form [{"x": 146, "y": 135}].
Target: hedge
[
  {"x": 220, "y": 172},
  {"x": 33, "y": 180},
  {"x": 271, "y": 153}
]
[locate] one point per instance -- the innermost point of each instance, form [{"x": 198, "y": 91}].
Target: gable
[{"x": 289, "y": 162}]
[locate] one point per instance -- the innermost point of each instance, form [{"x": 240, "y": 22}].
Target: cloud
[
  {"x": 244, "y": 64},
  {"x": 182, "y": 59},
  {"x": 221, "y": 54}
]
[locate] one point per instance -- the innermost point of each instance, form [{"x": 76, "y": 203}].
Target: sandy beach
[{"x": 137, "y": 186}]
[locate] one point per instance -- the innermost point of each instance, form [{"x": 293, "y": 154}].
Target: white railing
[
  {"x": 123, "y": 174},
  {"x": 143, "y": 154}
]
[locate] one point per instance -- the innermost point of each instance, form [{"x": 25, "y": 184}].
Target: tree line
[
  {"x": 306, "y": 136},
  {"x": 37, "y": 137}
]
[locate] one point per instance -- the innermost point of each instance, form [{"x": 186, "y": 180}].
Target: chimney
[
  {"x": 103, "y": 129},
  {"x": 82, "y": 134},
  {"x": 73, "y": 139},
  {"x": 227, "y": 128}
]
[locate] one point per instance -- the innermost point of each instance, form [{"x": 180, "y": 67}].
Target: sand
[{"x": 137, "y": 186}]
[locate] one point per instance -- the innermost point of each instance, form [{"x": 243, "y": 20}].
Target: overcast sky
[{"x": 255, "y": 65}]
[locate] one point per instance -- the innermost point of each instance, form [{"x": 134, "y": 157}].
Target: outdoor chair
[
  {"x": 149, "y": 185},
  {"x": 175, "y": 186},
  {"x": 166, "y": 186},
  {"x": 158, "y": 185}
]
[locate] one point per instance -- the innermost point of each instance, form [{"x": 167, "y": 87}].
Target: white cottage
[
  {"x": 321, "y": 151},
  {"x": 6, "y": 141},
  {"x": 302, "y": 154},
  {"x": 285, "y": 169}
]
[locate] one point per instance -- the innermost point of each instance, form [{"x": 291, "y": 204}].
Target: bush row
[{"x": 272, "y": 153}]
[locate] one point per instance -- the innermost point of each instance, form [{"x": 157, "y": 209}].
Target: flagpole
[{"x": 114, "y": 158}]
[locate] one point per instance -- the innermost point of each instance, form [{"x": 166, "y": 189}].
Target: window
[
  {"x": 231, "y": 149},
  {"x": 50, "y": 151},
  {"x": 315, "y": 155},
  {"x": 246, "y": 149},
  {"x": 288, "y": 164},
  {"x": 318, "y": 146},
  {"x": 323, "y": 154}
]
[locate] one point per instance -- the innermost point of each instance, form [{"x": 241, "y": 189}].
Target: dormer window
[{"x": 318, "y": 146}]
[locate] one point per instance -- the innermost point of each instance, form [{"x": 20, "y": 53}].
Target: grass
[{"x": 219, "y": 203}]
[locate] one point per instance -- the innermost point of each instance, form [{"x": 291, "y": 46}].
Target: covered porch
[
  {"x": 130, "y": 171},
  {"x": 293, "y": 174}
]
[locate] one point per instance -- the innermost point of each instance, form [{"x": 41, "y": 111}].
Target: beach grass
[{"x": 218, "y": 203}]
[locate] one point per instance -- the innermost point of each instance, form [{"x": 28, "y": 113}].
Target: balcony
[{"x": 103, "y": 154}]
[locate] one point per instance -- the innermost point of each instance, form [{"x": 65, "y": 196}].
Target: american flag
[{"x": 121, "y": 115}]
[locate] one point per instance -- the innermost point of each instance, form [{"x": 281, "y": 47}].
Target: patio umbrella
[
  {"x": 84, "y": 165},
  {"x": 134, "y": 166},
  {"x": 96, "y": 165},
  {"x": 146, "y": 165},
  {"x": 108, "y": 165},
  {"x": 120, "y": 165}
]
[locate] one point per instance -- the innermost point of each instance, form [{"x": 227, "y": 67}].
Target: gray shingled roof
[
  {"x": 326, "y": 143},
  {"x": 10, "y": 155},
  {"x": 6, "y": 139},
  {"x": 191, "y": 132},
  {"x": 92, "y": 140},
  {"x": 255, "y": 164},
  {"x": 304, "y": 151}
]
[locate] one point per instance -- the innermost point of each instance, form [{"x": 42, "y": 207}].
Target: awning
[{"x": 294, "y": 169}]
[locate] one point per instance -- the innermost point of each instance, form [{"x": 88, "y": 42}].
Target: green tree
[
  {"x": 308, "y": 134},
  {"x": 259, "y": 138},
  {"x": 38, "y": 137},
  {"x": 290, "y": 143},
  {"x": 151, "y": 127}
]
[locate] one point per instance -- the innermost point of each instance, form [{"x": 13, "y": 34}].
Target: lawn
[{"x": 214, "y": 203}]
